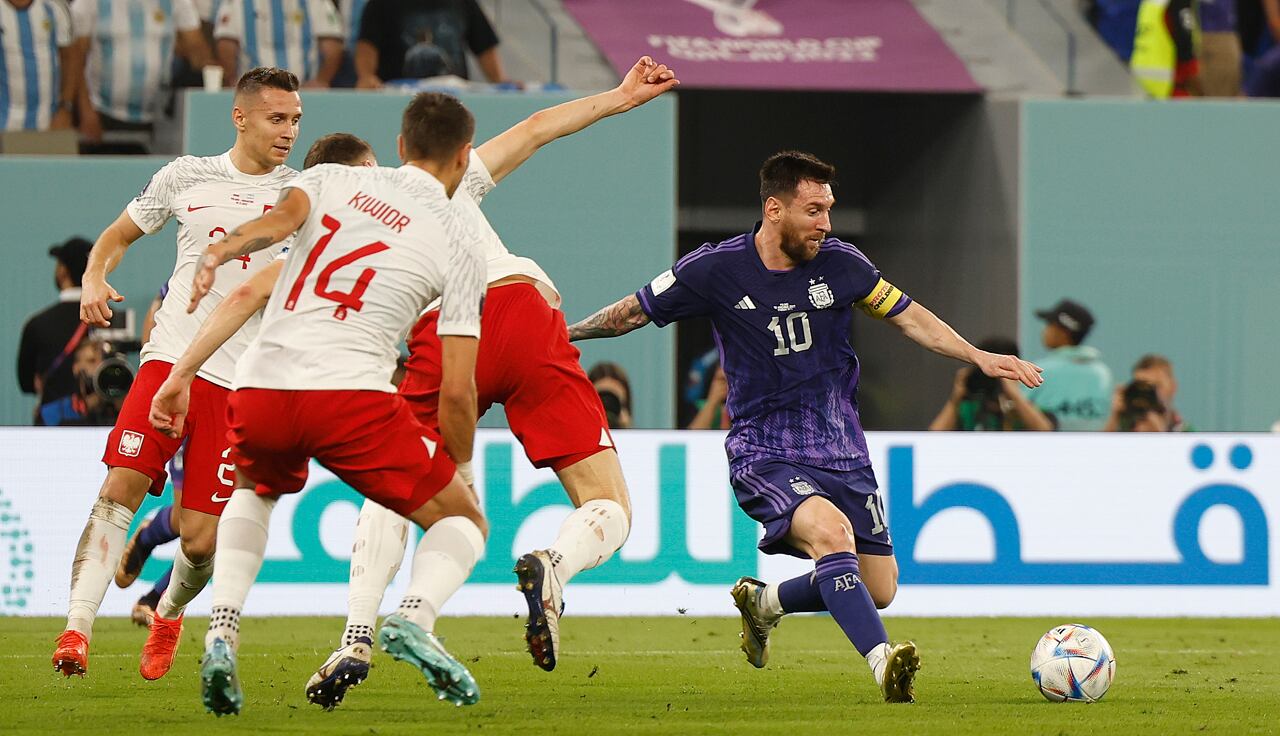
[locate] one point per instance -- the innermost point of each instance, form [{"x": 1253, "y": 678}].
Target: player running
[
  {"x": 526, "y": 363},
  {"x": 375, "y": 246},
  {"x": 780, "y": 299},
  {"x": 209, "y": 196}
]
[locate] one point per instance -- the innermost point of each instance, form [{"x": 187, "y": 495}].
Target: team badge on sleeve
[
  {"x": 820, "y": 294},
  {"x": 662, "y": 282}
]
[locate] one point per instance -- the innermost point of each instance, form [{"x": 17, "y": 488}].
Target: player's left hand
[
  {"x": 169, "y": 406},
  {"x": 646, "y": 80},
  {"x": 206, "y": 271},
  {"x": 1011, "y": 367}
]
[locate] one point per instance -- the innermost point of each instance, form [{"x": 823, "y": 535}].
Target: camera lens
[{"x": 113, "y": 379}]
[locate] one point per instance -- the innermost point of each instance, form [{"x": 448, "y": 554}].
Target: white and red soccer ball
[{"x": 1073, "y": 663}]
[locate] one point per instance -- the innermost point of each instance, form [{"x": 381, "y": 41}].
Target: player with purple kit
[{"x": 780, "y": 300}]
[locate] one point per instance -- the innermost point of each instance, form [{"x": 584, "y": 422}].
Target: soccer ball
[{"x": 1073, "y": 663}]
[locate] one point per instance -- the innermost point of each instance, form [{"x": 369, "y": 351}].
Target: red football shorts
[
  {"x": 525, "y": 363},
  {"x": 135, "y": 444},
  {"x": 369, "y": 439}
]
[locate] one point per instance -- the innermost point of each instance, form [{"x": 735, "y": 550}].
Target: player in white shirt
[
  {"x": 209, "y": 196},
  {"x": 303, "y": 36},
  {"x": 525, "y": 362},
  {"x": 374, "y": 247}
]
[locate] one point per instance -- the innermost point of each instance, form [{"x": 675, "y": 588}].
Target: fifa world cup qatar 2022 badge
[{"x": 820, "y": 294}]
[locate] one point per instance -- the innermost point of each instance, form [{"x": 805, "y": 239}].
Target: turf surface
[{"x": 664, "y": 675}]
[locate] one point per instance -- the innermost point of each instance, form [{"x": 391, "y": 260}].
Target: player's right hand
[
  {"x": 93, "y": 302},
  {"x": 169, "y": 406},
  {"x": 206, "y": 271}
]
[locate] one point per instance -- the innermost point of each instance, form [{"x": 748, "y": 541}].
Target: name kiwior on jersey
[
  {"x": 378, "y": 245},
  {"x": 210, "y": 197}
]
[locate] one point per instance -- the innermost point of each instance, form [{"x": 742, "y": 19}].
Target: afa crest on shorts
[
  {"x": 820, "y": 294},
  {"x": 801, "y": 487}
]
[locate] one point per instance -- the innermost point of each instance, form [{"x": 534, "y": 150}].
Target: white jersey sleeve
[
  {"x": 465, "y": 282},
  {"x": 325, "y": 22},
  {"x": 185, "y": 15},
  {"x": 84, "y": 19},
  {"x": 477, "y": 182},
  {"x": 229, "y": 21}
]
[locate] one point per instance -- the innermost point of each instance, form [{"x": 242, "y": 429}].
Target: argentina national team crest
[
  {"x": 820, "y": 294},
  {"x": 801, "y": 487}
]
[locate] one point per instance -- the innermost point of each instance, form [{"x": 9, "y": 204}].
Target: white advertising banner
[{"x": 982, "y": 524}]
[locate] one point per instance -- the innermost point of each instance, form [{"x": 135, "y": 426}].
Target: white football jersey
[
  {"x": 499, "y": 262},
  {"x": 210, "y": 197},
  {"x": 377, "y": 246}
]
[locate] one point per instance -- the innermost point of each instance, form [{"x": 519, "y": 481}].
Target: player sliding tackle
[
  {"x": 780, "y": 299},
  {"x": 525, "y": 362},
  {"x": 317, "y": 380}
]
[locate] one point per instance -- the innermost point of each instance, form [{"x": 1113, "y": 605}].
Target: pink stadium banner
[{"x": 853, "y": 45}]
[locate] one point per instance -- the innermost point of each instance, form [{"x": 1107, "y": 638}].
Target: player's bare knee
[
  {"x": 199, "y": 547},
  {"x": 125, "y": 486}
]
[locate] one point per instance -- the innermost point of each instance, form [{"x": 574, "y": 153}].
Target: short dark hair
[
  {"x": 435, "y": 125},
  {"x": 337, "y": 148},
  {"x": 1153, "y": 360},
  {"x": 783, "y": 171},
  {"x": 263, "y": 77}
]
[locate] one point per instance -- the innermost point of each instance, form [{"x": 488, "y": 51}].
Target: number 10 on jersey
[{"x": 797, "y": 337}]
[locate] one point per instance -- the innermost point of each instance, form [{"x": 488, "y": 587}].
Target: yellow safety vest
[{"x": 1154, "y": 53}]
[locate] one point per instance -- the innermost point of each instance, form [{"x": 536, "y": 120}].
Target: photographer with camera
[
  {"x": 1145, "y": 404},
  {"x": 614, "y": 390},
  {"x": 102, "y": 379},
  {"x": 979, "y": 402}
]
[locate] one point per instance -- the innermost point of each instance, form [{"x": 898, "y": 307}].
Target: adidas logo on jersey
[{"x": 745, "y": 303}]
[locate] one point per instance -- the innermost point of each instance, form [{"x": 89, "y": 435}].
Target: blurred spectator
[
  {"x": 1077, "y": 385},
  {"x": 1165, "y": 56},
  {"x": 1146, "y": 403},
  {"x": 614, "y": 389},
  {"x": 50, "y": 337},
  {"x": 39, "y": 76},
  {"x": 979, "y": 402},
  {"x": 403, "y": 39},
  {"x": 1263, "y": 74},
  {"x": 101, "y": 385},
  {"x": 1220, "y": 53},
  {"x": 303, "y": 36},
  {"x": 712, "y": 413},
  {"x": 1116, "y": 21},
  {"x": 129, "y": 45}
]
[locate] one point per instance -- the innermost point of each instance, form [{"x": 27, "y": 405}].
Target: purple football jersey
[{"x": 784, "y": 344}]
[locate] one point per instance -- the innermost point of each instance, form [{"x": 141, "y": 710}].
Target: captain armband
[{"x": 885, "y": 300}]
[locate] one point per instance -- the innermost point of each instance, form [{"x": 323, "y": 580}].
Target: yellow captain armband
[{"x": 881, "y": 300}]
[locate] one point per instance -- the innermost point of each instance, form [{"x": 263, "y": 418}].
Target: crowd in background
[
  {"x": 107, "y": 66},
  {"x": 1193, "y": 48}
]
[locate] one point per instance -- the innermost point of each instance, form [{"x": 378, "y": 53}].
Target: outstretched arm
[
  {"x": 272, "y": 227},
  {"x": 618, "y": 318},
  {"x": 925, "y": 329},
  {"x": 169, "y": 404},
  {"x": 103, "y": 259},
  {"x": 505, "y": 152}
]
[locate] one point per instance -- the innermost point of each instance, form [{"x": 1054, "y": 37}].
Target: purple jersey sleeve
[
  {"x": 669, "y": 298},
  {"x": 872, "y": 293}
]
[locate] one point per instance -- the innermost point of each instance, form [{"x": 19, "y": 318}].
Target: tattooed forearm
[{"x": 616, "y": 319}]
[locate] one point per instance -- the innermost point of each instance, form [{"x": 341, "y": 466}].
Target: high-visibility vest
[{"x": 1154, "y": 54}]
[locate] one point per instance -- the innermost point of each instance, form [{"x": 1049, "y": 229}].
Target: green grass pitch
[{"x": 664, "y": 675}]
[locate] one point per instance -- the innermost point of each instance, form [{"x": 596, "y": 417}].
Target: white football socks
[
  {"x": 185, "y": 583},
  {"x": 97, "y": 555},
  {"x": 376, "y": 555},
  {"x": 770, "y": 604},
  {"x": 877, "y": 658},
  {"x": 589, "y": 536},
  {"x": 445, "y": 557},
  {"x": 242, "y": 543}
]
